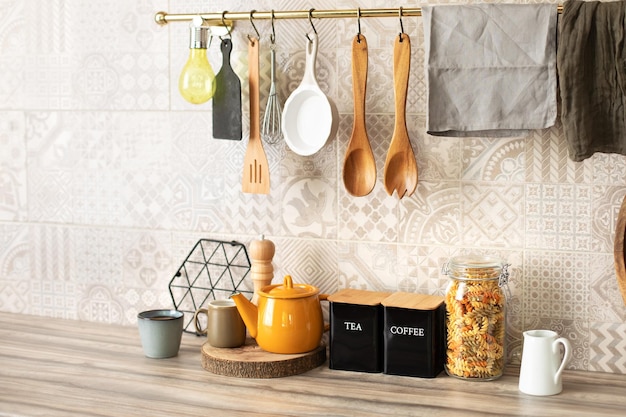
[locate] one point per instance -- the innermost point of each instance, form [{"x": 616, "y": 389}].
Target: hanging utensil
[
  {"x": 359, "y": 166},
  {"x": 271, "y": 131},
  {"x": 256, "y": 177},
  {"x": 400, "y": 172},
  {"x": 227, "y": 99},
  {"x": 307, "y": 120}
]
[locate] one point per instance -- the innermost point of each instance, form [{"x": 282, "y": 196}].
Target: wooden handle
[
  {"x": 253, "y": 82},
  {"x": 401, "y": 68},
  {"x": 359, "y": 77}
]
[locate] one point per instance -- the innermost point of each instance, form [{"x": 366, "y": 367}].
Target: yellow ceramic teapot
[{"x": 288, "y": 318}]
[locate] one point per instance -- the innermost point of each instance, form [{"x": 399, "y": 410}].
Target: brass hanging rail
[{"x": 221, "y": 18}]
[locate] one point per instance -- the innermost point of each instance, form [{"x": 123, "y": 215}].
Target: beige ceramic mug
[{"x": 225, "y": 327}]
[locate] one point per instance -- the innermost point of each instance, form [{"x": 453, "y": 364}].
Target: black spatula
[{"x": 227, "y": 98}]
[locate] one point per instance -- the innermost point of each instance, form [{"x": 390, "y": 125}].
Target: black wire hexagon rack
[{"x": 213, "y": 270}]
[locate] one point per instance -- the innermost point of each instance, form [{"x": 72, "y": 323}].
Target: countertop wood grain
[{"x": 53, "y": 367}]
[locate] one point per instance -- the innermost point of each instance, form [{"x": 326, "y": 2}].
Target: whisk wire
[{"x": 271, "y": 131}]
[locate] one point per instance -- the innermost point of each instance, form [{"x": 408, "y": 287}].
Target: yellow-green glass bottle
[{"x": 197, "y": 79}]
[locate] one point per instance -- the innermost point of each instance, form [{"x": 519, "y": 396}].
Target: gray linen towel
[
  {"x": 592, "y": 76},
  {"x": 490, "y": 68}
]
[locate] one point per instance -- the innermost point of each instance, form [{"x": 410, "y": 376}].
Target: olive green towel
[{"x": 591, "y": 63}]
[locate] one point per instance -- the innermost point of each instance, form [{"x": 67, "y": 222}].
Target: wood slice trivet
[
  {"x": 619, "y": 250},
  {"x": 250, "y": 361}
]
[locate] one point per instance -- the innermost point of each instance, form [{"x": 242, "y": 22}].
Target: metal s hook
[
  {"x": 225, "y": 25},
  {"x": 358, "y": 22},
  {"x": 401, "y": 25},
  {"x": 258, "y": 35},
  {"x": 311, "y": 20},
  {"x": 312, "y": 25},
  {"x": 273, "y": 35}
]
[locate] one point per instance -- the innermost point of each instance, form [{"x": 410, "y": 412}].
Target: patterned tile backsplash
[{"x": 108, "y": 177}]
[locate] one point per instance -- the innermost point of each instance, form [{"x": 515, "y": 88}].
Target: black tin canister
[
  {"x": 414, "y": 334},
  {"x": 356, "y": 330}
]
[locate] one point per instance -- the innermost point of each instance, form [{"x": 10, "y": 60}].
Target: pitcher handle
[{"x": 566, "y": 355}]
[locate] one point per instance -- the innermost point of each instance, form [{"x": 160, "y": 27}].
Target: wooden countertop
[{"x": 53, "y": 367}]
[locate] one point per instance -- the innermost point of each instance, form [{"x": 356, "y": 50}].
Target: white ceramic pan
[{"x": 307, "y": 120}]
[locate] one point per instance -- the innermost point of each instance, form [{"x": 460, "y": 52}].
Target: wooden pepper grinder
[{"x": 262, "y": 272}]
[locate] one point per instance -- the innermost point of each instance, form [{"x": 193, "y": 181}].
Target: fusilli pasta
[{"x": 476, "y": 328}]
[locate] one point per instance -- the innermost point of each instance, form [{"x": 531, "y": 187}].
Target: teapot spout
[{"x": 248, "y": 312}]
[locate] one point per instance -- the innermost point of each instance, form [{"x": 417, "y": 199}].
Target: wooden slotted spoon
[
  {"x": 359, "y": 166},
  {"x": 400, "y": 167},
  {"x": 256, "y": 178}
]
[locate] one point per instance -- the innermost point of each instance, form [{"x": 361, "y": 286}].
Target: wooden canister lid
[
  {"x": 413, "y": 301},
  {"x": 360, "y": 297}
]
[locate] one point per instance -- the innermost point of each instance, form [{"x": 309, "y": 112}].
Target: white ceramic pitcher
[{"x": 542, "y": 365}]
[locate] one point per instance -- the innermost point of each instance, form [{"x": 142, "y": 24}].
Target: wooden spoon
[
  {"x": 400, "y": 167},
  {"x": 359, "y": 166},
  {"x": 256, "y": 171}
]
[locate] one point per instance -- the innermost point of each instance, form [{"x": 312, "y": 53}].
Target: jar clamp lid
[{"x": 477, "y": 267}]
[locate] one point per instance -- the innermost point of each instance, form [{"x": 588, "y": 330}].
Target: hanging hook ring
[
  {"x": 401, "y": 25},
  {"x": 225, "y": 25},
  {"x": 358, "y": 22},
  {"x": 311, "y": 23},
  {"x": 273, "y": 35},
  {"x": 258, "y": 35}
]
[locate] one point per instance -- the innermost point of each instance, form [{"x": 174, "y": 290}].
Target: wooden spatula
[{"x": 256, "y": 173}]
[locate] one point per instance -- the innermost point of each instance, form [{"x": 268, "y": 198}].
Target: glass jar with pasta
[{"x": 476, "y": 317}]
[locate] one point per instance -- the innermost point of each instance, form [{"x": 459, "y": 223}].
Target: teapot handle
[{"x": 324, "y": 297}]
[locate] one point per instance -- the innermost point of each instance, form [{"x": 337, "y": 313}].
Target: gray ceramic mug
[
  {"x": 225, "y": 327},
  {"x": 161, "y": 332}
]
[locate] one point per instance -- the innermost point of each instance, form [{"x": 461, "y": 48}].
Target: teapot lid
[{"x": 290, "y": 290}]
